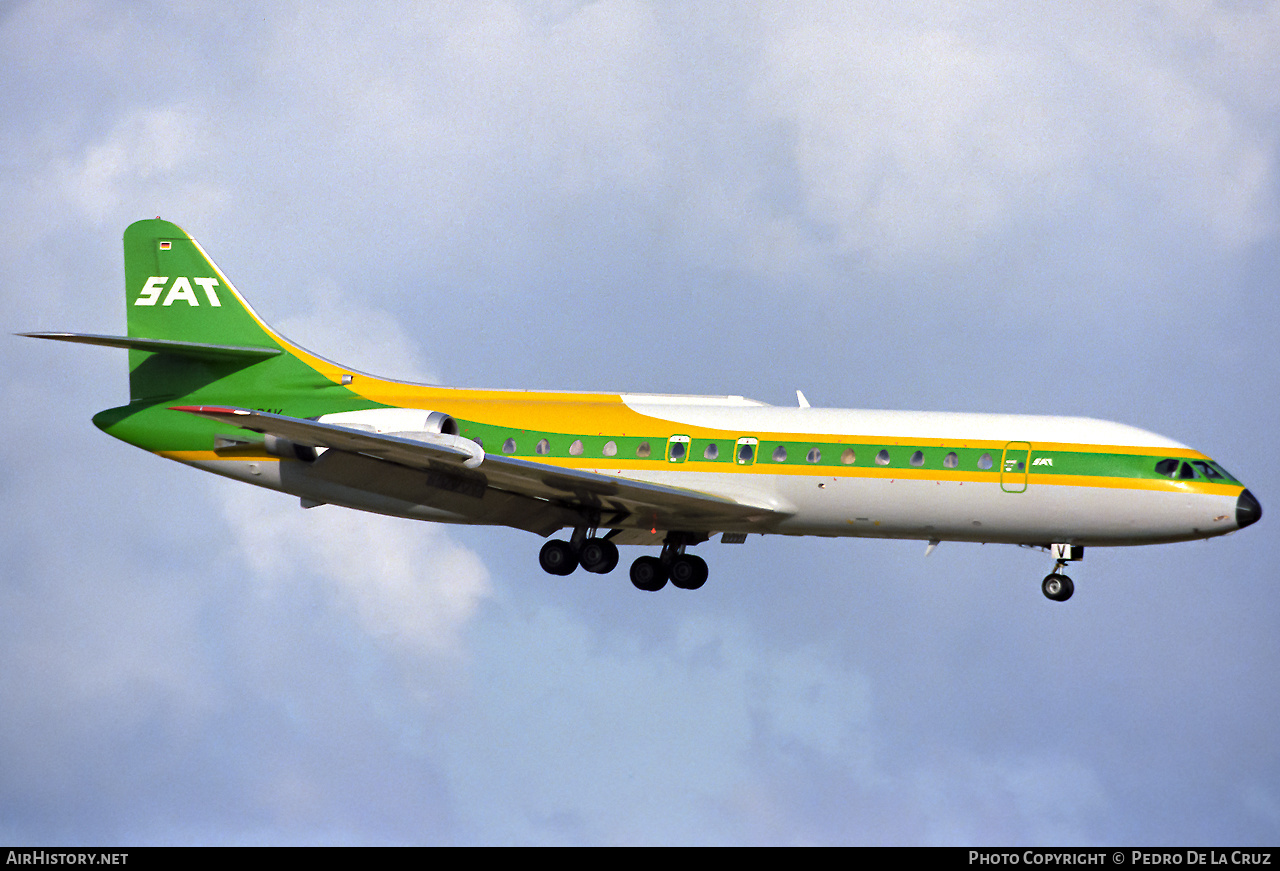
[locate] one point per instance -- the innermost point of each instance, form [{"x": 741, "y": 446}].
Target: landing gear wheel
[
  {"x": 648, "y": 574},
  {"x": 1058, "y": 587},
  {"x": 557, "y": 558},
  {"x": 599, "y": 556},
  {"x": 688, "y": 572}
]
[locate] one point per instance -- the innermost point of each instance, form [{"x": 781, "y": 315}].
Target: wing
[{"x": 594, "y": 499}]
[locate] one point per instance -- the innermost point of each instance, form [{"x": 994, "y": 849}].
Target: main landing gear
[
  {"x": 1057, "y": 586},
  {"x": 649, "y": 573},
  {"x": 596, "y": 555},
  {"x": 684, "y": 570}
]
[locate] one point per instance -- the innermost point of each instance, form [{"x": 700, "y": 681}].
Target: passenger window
[
  {"x": 1168, "y": 468},
  {"x": 746, "y": 453},
  {"x": 509, "y": 446},
  {"x": 984, "y": 461},
  {"x": 917, "y": 459},
  {"x": 814, "y": 455},
  {"x": 780, "y": 454},
  {"x": 849, "y": 456},
  {"x": 575, "y": 449},
  {"x": 480, "y": 441},
  {"x": 711, "y": 452},
  {"x": 882, "y": 458},
  {"x": 951, "y": 460},
  {"x": 643, "y": 451},
  {"x": 542, "y": 447},
  {"x": 610, "y": 449}
]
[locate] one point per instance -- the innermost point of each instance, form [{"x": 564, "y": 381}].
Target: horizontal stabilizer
[{"x": 198, "y": 350}]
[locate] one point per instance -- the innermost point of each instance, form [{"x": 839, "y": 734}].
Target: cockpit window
[
  {"x": 1187, "y": 472},
  {"x": 1205, "y": 469},
  {"x": 1168, "y": 468}
]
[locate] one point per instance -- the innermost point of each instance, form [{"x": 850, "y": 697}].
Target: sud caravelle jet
[{"x": 212, "y": 386}]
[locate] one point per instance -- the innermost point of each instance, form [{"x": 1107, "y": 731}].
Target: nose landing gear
[{"x": 1056, "y": 586}]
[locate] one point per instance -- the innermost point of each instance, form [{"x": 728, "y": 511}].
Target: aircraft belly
[
  {"x": 948, "y": 510},
  {"x": 807, "y": 505},
  {"x": 966, "y": 511}
]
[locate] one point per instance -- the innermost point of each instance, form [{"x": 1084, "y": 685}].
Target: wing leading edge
[{"x": 597, "y": 499}]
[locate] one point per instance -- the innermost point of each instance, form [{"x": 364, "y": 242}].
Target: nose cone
[{"x": 1248, "y": 510}]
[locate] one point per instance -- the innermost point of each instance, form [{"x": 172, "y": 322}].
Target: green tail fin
[{"x": 174, "y": 293}]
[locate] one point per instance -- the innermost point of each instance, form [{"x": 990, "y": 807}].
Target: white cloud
[
  {"x": 150, "y": 157},
  {"x": 405, "y": 583},
  {"x": 926, "y": 137}
]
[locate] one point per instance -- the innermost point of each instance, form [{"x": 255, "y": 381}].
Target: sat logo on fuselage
[
  {"x": 180, "y": 289},
  {"x": 1042, "y": 461}
]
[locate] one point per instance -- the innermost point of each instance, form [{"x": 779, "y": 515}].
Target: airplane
[{"x": 213, "y": 386}]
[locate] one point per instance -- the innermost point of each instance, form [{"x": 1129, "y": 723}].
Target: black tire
[
  {"x": 648, "y": 574},
  {"x": 688, "y": 572},
  {"x": 1057, "y": 587},
  {"x": 1067, "y": 589},
  {"x": 599, "y": 556},
  {"x": 557, "y": 558}
]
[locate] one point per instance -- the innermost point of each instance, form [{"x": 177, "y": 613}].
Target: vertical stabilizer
[{"x": 174, "y": 292}]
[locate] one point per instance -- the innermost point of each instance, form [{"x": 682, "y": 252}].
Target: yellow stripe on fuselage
[{"x": 692, "y": 467}]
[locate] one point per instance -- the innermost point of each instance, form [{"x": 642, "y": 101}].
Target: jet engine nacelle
[
  {"x": 394, "y": 420},
  {"x": 419, "y": 424}
]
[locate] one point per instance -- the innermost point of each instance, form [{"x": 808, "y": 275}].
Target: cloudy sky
[{"x": 1070, "y": 208}]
